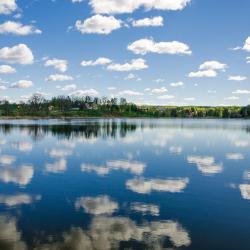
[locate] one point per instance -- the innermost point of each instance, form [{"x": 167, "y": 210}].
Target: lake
[{"x": 124, "y": 184}]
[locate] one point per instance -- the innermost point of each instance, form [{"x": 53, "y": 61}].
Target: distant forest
[{"x": 66, "y": 106}]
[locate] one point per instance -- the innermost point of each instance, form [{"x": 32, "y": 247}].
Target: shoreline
[{"x": 112, "y": 117}]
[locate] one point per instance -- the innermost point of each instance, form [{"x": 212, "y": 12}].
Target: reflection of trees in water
[
  {"x": 115, "y": 128},
  {"x": 87, "y": 130}
]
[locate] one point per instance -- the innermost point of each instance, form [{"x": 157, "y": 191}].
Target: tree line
[{"x": 87, "y": 106}]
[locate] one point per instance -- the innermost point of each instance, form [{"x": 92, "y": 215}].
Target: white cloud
[
  {"x": 166, "y": 97},
  {"x": 82, "y": 93},
  {"x": 235, "y": 156},
  {"x": 144, "y": 46},
  {"x": 248, "y": 59},
  {"x": 22, "y": 84},
  {"x": 134, "y": 65},
  {"x": 212, "y": 65},
  {"x": 23, "y": 146},
  {"x": 68, "y": 87},
  {"x": 129, "y": 6},
  {"x": 175, "y": 150},
  {"x": 204, "y": 73},
  {"x": 7, "y": 159},
  {"x": 59, "y": 78},
  {"x": 77, "y": 1},
  {"x": 146, "y": 22},
  {"x": 143, "y": 186},
  {"x": 245, "y": 191},
  {"x": 106, "y": 232},
  {"x": 59, "y": 64},
  {"x": 176, "y": 84},
  {"x": 6, "y": 69},
  {"x": 20, "y": 54},
  {"x": 7, "y": 6},
  {"x": 18, "y": 29},
  {"x": 145, "y": 209},
  {"x": 98, "y": 205},
  {"x": 232, "y": 98},
  {"x": 246, "y": 46},
  {"x": 189, "y": 99},
  {"x": 98, "y": 61},
  {"x": 59, "y": 153},
  {"x": 237, "y": 78},
  {"x": 159, "y": 80},
  {"x": 9, "y": 234},
  {"x": 98, "y": 24},
  {"x": 159, "y": 90},
  {"x": 17, "y": 200},
  {"x": 206, "y": 165},
  {"x": 130, "y": 93},
  {"x": 20, "y": 175},
  {"x": 99, "y": 170},
  {"x": 57, "y": 167},
  {"x": 241, "y": 92},
  {"x": 133, "y": 167}
]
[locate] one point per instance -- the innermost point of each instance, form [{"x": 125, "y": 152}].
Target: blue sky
[{"x": 167, "y": 52}]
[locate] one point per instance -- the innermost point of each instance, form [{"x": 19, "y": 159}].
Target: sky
[{"x": 155, "y": 52}]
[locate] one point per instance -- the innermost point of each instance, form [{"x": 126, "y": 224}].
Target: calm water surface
[{"x": 124, "y": 184}]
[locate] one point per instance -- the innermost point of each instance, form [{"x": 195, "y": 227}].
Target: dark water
[{"x": 124, "y": 184}]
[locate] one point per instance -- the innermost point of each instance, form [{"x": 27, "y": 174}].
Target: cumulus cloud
[
  {"x": 10, "y": 237},
  {"x": 147, "y": 22},
  {"x": 59, "y": 153},
  {"x": 208, "y": 69},
  {"x": 107, "y": 233},
  {"x": 212, "y": 65},
  {"x": 99, "y": 170},
  {"x": 232, "y": 98},
  {"x": 7, "y": 6},
  {"x": 23, "y": 146},
  {"x": 17, "y": 200},
  {"x": 159, "y": 90},
  {"x": 145, "y": 46},
  {"x": 206, "y": 165},
  {"x": 20, "y": 54},
  {"x": 98, "y": 61},
  {"x": 57, "y": 167},
  {"x": 134, "y": 65},
  {"x": 20, "y": 175},
  {"x": 237, "y": 78},
  {"x": 129, "y": 6},
  {"x": 145, "y": 209},
  {"x": 235, "y": 156},
  {"x": 97, "y": 205},
  {"x": 59, "y": 78},
  {"x": 98, "y": 24},
  {"x": 143, "y": 186},
  {"x": 203, "y": 73},
  {"x": 175, "y": 150},
  {"x": 245, "y": 191},
  {"x": 86, "y": 92},
  {"x": 18, "y": 29},
  {"x": 22, "y": 84},
  {"x": 241, "y": 92},
  {"x": 246, "y": 46},
  {"x": 68, "y": 87},
  {"x": 134, "y": 167},
  {"x": 130, "y": 93},
  {"x": 6, "y": 69},
  {"x": 165, "y": 97},
  {"x": 59, "y": 64},
  {"x": 7, "y": 159},
  {"x": 176, "y": 84}
]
